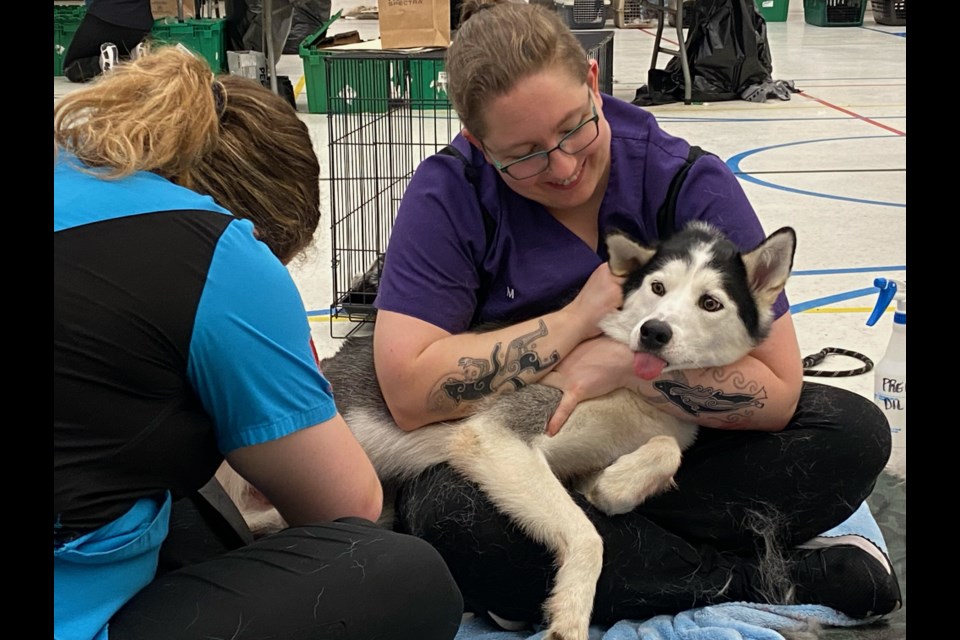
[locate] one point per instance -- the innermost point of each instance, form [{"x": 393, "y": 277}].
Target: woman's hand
[
  {"x": 594, "y": 368},
  {"x": 600, "y": 295}
]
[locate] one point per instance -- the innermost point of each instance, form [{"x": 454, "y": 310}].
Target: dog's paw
[
  {"x": 563, "y": 630},
  {"x": 615, "y": 501},
  {"x": 635, "y": 476},
  {"x": 569, "y": 607},
  {"x": 616, "y": 491},
  {"x": 559, "y": 635}
]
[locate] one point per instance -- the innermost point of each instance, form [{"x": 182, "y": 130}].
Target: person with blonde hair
[
  {"x": 180, "y": 340},
  {"x": 505, "y": 230}
]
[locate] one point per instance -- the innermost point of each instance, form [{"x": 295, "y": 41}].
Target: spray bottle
[{"x": 890, "y": 381}]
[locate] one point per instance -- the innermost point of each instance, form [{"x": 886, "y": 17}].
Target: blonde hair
[
  {"x": 497, "y": 45},
  {"x": 227, "y": 137}
]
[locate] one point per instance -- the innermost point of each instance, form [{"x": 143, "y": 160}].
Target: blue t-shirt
[
  {"x": 178, "y": 337},
  {"x": 439, "y": 268}
]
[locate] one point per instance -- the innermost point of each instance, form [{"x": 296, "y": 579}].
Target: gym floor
[{"x": 830, "y": 162}]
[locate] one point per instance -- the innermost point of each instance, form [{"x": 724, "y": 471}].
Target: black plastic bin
[
  {"x": 890, "y": 12},
  {"x": 582, "y": 14}
]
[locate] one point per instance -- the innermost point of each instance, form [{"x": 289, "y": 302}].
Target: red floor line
[
  {"x": 851, "y": 113},
  {"x": 851, "y": 84},
  {"x": 810, "y": 97},
  {"x": 653, "y": 32}
]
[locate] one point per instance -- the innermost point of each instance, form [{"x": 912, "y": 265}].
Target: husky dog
[{"x": 692, "y": 301}]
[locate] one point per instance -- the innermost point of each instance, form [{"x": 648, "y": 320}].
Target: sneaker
[
  {"x": 847, "y": 573},
  {"x": 109, "y": 54},
  {"x": 508, "y": 625},
  {"x": 139, "y": 51}
]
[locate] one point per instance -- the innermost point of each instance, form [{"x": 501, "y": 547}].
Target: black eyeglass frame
[{"x": 595, "y": 119}]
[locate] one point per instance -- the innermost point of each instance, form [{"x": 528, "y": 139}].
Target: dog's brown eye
[
  {"x": 711, "y": 304},
  {"x": 658, "y": 288}
]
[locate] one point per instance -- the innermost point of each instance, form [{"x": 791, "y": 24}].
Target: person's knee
[
  {"x": 409, "y": 556},
  {"x": 876, "y": 429},
  {"x": 860, "y": 429},
  {"x": 432, "y": 602},
  {"x": 869, "y": 430}
]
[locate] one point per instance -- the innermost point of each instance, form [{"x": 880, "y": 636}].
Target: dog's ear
[
  {"x": 626, "y": 254},
  {"x": 769, "y": 265}
]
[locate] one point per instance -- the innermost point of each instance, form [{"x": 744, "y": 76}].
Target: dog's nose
[{"x": 654, "y": 334}]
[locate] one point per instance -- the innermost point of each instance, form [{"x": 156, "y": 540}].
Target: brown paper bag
[
  {"x": 168, "y": 9},
  {"x": 406, "y": 24}
]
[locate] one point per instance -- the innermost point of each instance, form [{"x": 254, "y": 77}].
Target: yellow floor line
[{"x": 840, "y": 310}]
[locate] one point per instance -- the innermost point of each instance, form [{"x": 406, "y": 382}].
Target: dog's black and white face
[{"x": 695, "y": 300}]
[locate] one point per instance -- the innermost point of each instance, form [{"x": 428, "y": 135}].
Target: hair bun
[{"x": 470, "y": 8}]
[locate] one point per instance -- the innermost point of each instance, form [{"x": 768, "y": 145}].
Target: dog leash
[{"x": 813, "y": 360}]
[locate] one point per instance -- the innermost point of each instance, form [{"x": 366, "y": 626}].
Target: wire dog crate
[{"x": 386, "y": 112}]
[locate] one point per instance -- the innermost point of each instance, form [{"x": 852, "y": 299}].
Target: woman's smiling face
[{"x": 534, "y": 117}]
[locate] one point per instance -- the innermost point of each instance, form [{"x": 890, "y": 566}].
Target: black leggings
[
  {"x": 699, "y": 544},
  {"x": 81, "y": 61},
  {"x": 344, "y": 580}
]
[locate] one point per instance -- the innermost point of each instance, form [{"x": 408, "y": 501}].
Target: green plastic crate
[
  {"x": 347, "y": 81},
  {"x": 428, "y": 84},
  {"x": 203, "y": 36},
  {"x": 773, "y": 10},
  {"x": 66, "y": 19},
  {"x": 834, "y": 13}
]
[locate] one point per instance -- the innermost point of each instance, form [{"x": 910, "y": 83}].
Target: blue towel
[{"x": 729, "y": 621}]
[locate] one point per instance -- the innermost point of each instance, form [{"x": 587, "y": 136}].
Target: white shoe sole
[
  {"x": 508, "y": 625},
  {"x": 853, "y": 540}
]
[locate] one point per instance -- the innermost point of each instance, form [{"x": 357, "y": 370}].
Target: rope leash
[{"x": 813, "y": 360}]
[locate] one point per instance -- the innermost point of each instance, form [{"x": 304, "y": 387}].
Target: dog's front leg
[
  {"x": 634, "y": 477},
  {"x": 518, "y": 480}
]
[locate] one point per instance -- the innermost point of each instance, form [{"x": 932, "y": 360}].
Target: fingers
[
  {"x": 600, "y": 295},
  {"x": 567, "y": 404}
]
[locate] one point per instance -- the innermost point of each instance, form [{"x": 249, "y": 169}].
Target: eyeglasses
[{"x": 575, "y": 141}]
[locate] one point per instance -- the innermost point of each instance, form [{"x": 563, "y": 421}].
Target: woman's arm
[
  {"x": 429, "y": 375},
  {"x": 761, "y": 390},
  {"x": 317, "y": 474}
]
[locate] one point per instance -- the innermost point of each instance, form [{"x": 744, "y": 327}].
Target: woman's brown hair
[{"x": 498, "y": 44}]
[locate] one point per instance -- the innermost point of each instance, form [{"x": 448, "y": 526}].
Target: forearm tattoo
[
  {"x": 481, "y": 377},
  {"x": 702, "y": 401}
]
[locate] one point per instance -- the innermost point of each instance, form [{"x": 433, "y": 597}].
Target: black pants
[
  {"x": 81, "y": 61},
  {"x": 739, "y": 492},
  {"x": 344, "y": 580}
]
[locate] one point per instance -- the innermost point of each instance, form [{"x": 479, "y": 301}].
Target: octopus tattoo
[{"x": 483, "y": 377}]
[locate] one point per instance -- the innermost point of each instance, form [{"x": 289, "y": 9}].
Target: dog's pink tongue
[{"x": 647, "y": 366}]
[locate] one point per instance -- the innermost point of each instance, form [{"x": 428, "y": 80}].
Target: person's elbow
[
  {"x": 370, "y": 505},
  {"x": 406, "y": 414},
  {"x": 782, "y": 418},
  {"x": 784, "y": 411},
  {"x": 407, "y": 421},
  {"x": 357, "y": 501},
  {"x": 364, "y": 500}
]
